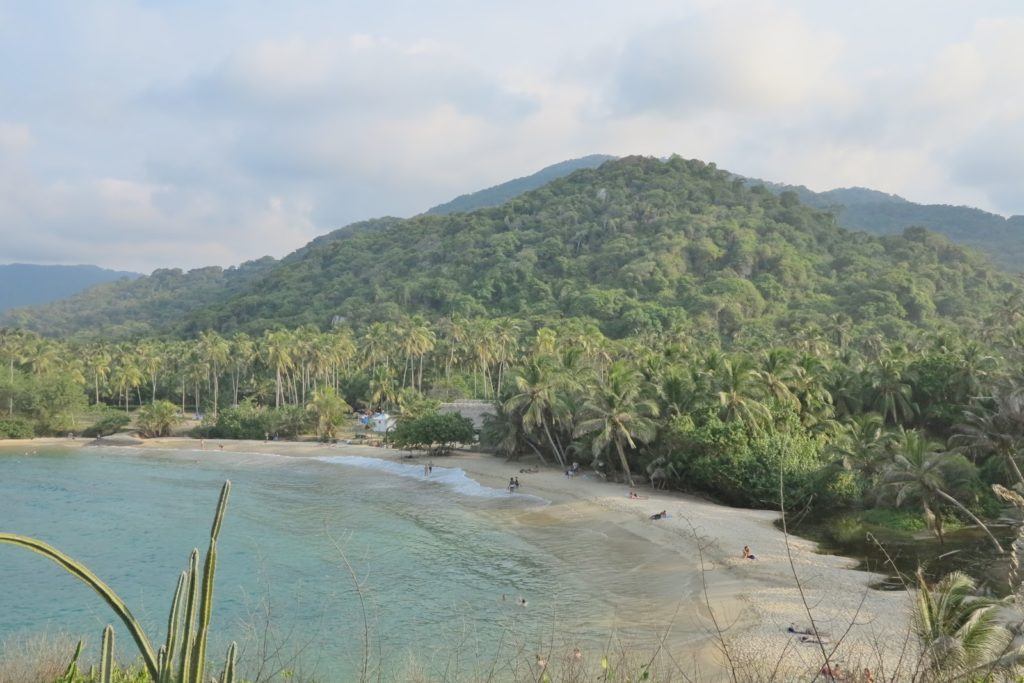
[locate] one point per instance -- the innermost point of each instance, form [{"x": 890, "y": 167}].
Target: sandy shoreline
[{"x": 754, "y": 601}]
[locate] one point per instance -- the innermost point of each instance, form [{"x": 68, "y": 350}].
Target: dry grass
[{"x": 35, "y": 659}]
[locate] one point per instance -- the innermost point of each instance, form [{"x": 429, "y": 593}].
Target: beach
[{"x": 751, "y": 601}]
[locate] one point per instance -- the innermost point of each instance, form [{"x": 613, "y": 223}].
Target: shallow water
[{"x": 433, "y": 556}]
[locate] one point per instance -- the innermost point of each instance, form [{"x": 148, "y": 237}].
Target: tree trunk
[
  {"x": 96, "y": 383},
  {"x": 277, "y": 384},
  {"x": 216, "y": 390},
  {"x": 945, "y": 496},
  {"x": 625, "y": 463},
  {"x": 558, "y": 453}
]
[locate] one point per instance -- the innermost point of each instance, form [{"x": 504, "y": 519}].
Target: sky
[{"x": 145, "y": 134}]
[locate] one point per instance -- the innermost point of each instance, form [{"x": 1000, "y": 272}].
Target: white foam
[{"x": 453, "y": 477}]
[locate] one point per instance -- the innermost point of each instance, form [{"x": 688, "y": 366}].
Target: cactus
[
  {"x": 107, "y": 655},
  {"x": 182, "y": 657},
  {"x": 71, "y": 672},
  {"x": 228, "y": 675}
]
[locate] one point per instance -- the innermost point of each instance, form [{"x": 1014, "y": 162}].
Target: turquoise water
[{"x": 433, "y": 557}]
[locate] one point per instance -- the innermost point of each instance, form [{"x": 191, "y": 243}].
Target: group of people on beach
[
  {"x": 513, "y": 484},
  {"x": 573, "y": 471},
  {"x": 428, "y": 468}
]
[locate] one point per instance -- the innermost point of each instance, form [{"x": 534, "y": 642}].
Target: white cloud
[{"x": 185, "y": 135}]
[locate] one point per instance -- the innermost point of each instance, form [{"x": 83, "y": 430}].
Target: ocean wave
[{"x": 453, "y": 477}]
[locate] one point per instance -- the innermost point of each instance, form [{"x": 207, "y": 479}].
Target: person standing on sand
[{"x": 202, "y": 444}]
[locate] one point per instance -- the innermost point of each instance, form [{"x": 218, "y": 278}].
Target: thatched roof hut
[{"x": 474, "y": 410}]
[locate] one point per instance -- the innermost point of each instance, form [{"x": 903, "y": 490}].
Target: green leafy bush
[
  {"x": 157, "y": 418},
  {"x": 434, "y": 432},
  {"x": 250, "y": 421},
  {"x": 741, "y": 465},
  {"x": 110, "y": 421},
  {"x": 16, "y": 428}
]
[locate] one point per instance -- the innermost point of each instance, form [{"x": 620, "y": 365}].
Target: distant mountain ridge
[
  {"x": 499, "y": 194},
  {"x": 860, "y": 208},
  {"x": 29, "y": 284}
]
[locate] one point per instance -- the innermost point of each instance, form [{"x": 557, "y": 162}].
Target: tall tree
[{"x": 619, "y": 414}]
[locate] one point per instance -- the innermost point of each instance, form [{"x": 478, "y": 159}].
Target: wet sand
[{"x": 753, "y": 601}]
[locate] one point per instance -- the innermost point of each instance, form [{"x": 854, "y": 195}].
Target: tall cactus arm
[{"x": 84, "y": 574}]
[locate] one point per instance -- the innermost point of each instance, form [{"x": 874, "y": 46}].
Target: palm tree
[
  {"x": 998, "y": 431},
  {"x": 12, "y": 343},
  {"x": 243, "y": 353},
  {"x": 330, "y": 411},
  {"x": 916, "y": 472},
  {"x": 150, "y": 362},
  {"x": 958, "y": 630},
  {"x": 738, "y": 393},
  {"x": 157, "y": 419},
  {"x": 125, "y": 376},
  {"x": 539, "y": 401},
  {"x": 383, "y": 388},
  {"x": 277, "y": 353},
  {"x": 619, "y": 414},
  {"x": 862, "y": 443},
  {"x": 891, "y": 395},
  {"x": 215, "y": 351},
  {"x": 97, "y": 364}
]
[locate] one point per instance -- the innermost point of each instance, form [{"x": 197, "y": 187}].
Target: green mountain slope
[
  {"x": 24, "y": 284},
  {"x": 858, "y": 208},
  {"x": 146, "y": 305},
  {"x": 637, "y": 244},
  {"x": 499, "y": 194}
]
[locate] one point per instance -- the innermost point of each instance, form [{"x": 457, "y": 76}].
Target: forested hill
[
  {"x": 25, "y": 284},
  {"x": 859, "y": 208},
  {"x": 634, "y": 245},
  {"x": 499, "y": 194},
  {"x": 150, "y": 304},
  {"x": 638, "y": 244}
]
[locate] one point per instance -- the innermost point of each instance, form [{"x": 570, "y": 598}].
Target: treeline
[{"x": 849, "y": 419}]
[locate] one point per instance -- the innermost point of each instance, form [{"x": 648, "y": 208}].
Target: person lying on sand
[
  {"x": 633, "y": 496},
  {"x": 747, "y": 555},
  {"x": 804, "y": 631},
  {"x": 527, "y": 470},
  {"x": 811, "y": 640},
  {"x": 660, "y": 515}
]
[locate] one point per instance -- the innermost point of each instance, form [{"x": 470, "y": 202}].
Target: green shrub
[
  {"x": 16, "y": 428},
  {"x": 741, "y": 464},
  {"x": 250, "y": 421},
  {"x": 110, "y": 421},
  {"x": 434, "y": 432},
  {"x": 157, "y": 418}
]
